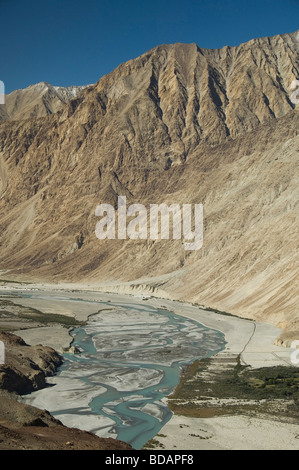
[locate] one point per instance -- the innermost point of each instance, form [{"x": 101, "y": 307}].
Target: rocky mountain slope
[
  {"x": 3, "y": 113},
  {"x": 37, "y": 100},
  {"x": 179, "y": 124}
]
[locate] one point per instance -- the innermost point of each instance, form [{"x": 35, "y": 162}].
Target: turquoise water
[
  {"x": 162, "y": 343},
  {"x": 130, "y": 358}
]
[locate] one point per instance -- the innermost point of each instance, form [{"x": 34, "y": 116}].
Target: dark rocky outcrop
[{"x": 26, "y": 367}]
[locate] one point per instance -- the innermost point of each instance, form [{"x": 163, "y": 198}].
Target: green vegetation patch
[
  {"x": 8, "y": 281},
  {"x": 220, "y": 312},
  {"x": 17, "y": 311},
  {"x": 153, "y": 444},
  {"x": 210, "y": 388}
]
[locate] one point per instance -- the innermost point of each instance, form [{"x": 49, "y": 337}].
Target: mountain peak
[{"x": 38, "y": 100}]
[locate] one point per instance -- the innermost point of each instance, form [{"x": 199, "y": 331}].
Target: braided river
[{"x": 128, "y": 358}]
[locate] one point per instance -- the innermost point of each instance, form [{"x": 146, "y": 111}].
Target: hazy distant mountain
[
  {"x": 179, "y": 124},
  {"x": 38, "y": 100}
]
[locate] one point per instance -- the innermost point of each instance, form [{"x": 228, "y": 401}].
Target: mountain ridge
[
  {"x": 178, "y": 124},
  {"x": 37, "y": 100}
]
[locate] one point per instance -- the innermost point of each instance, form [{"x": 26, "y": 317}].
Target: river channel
[{"x": 129, "y": 358}]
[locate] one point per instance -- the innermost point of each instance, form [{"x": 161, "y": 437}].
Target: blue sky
[{"x": 66, "y": 42}]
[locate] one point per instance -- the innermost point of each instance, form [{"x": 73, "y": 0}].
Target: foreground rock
[
  {"x": 28, "y": 428},
  {"x": 26, "y": 367},
  {"x": 24, "y": 426}
]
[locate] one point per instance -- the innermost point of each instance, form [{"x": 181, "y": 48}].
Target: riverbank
[{"x": 252, "y": 342}]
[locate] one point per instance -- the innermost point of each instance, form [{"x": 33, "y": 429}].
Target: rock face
[
  {"x": 179, "y": 124},
  {"x": 3, "y": 113}
]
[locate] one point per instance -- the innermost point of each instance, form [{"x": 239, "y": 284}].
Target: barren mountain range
[{"x": 179, "y": 124}]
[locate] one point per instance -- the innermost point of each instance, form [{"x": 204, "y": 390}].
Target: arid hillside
[{"x": 179, "y": 124}]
